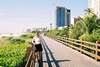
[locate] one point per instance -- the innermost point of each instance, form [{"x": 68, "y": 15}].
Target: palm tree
[
  {"x": 89, "y": 21},
  {"x": 89, "y": 11},
  {"x": 91, "y": 26}
]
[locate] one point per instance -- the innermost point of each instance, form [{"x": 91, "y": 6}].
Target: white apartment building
[{"x": 95, "y": 5}]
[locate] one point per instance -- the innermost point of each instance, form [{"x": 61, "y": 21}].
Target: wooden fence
[{"x": 87, "y": 48}]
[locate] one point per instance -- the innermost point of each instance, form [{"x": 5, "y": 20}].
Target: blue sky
[{"x": 18, "y": 15}]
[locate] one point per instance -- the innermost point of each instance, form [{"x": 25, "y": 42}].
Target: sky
[{"x": 18, "y": 15}]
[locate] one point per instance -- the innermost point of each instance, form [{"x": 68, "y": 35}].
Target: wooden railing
[
  {"x": 31, "y": 58},
  {"x": 87, "y": 48},
  {"x": 28, "y": 64}
]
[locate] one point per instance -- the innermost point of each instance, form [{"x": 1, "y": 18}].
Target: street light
[{"x": 50, "y": 26}]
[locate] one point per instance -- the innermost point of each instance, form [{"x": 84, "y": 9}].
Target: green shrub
[
  {"x": 86, "y": 37},
  {"x": 96, "y": 37},
  {"x": 30, "y": 35},
  {"x": 17, "y": 41},
  {"x": 13, "y": 56},
  {"x": 90, "y": 37}
]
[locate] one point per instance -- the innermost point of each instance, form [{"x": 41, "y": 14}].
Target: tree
[
  {"x": 89, "y": 21},
  {"x": 90, "y": 25},
  {"x": 89, "y": 11},
  {"x": 76, "y": 31}
]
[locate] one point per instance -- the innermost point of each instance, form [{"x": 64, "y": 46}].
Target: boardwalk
[{"x": 58, "y": 55}]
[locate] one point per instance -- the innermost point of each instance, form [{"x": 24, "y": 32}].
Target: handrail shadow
[{"x": 56, "y": 62}]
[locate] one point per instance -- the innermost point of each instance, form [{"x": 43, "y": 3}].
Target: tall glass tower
[{"x": 62, "y": 17}]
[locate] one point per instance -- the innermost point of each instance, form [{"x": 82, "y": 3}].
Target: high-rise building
[
  {"x": 62, "y": 17},
  {"x": 68, "y": 17},
  {"x": 95, "y": 5}
]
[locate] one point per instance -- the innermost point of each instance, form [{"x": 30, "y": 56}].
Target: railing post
[
  {"x": 81, "y": 46},
  {"x": 96, "y": 52},
  {"x": 67, "y": 41}
]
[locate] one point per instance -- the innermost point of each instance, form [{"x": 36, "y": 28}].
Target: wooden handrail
[{"x": 29, "y": 59}]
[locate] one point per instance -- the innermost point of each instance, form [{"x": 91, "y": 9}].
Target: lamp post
[{"x": 50, "y": 26}]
